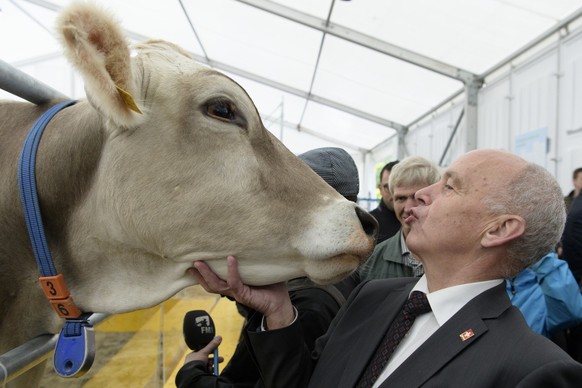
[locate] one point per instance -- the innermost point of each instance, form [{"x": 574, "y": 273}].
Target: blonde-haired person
[{"x": 392, "y": 258}]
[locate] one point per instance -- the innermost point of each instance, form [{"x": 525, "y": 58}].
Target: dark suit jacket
[
  {"x": 572, "y": 239},
  {"x": 503, "y": 352}
]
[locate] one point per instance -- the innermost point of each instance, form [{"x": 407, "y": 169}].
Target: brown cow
[{"x": 130, "y": 199}]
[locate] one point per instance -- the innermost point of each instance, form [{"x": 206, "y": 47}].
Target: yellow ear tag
[{"x": 128, "y": 99}]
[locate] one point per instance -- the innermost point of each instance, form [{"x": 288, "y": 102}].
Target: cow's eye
[
  {"x": 225, "y": 110},
  {"x": 222, "y": 110}
]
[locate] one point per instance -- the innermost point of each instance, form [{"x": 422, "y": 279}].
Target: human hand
[
  {"x": 272, "y": 300},
  {"x": 202, "y": 354}
]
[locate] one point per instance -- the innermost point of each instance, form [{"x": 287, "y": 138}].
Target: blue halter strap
[{"x": 75, "y": 348}]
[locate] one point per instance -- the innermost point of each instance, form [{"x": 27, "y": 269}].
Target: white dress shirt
[{"x": 444, "y": 304}]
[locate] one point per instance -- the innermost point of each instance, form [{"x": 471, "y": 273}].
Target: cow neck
[{"x": 75, "y": 348}]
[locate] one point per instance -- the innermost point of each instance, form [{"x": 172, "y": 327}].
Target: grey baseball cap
[{"x": 336, "y": 167}]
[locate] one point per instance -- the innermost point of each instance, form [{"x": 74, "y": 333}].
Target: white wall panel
[
  {"x": 533, "y": 104},
  {"x": 569, "y": 148},
  {"x": 419, "y": 141},
  {"x": 430, "y": 138},
  {"x": 442, "y": 129},
  {"x": 493, "y": 117},
  {"x": 542, "y": 95},
  {"x": 457, "y": 146}
]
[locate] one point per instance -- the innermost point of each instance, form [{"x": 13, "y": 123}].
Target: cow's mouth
[{"x": 334, "y": 269}]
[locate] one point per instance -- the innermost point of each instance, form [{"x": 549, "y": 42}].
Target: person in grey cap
[
  {"x": 316, "y": 305},
  {"x": 337, "y": 168}
]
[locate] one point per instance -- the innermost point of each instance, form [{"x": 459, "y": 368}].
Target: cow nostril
[{"x": 369, "y": 223}]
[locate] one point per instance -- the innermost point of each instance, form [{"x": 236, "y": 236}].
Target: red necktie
[{"x": 416, "y": 305}]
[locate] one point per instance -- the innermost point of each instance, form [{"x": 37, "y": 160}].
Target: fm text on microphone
[{"x": 198, "y": 331}]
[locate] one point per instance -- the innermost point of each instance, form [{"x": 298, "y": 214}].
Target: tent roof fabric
[{"x": 321, "y": 72}]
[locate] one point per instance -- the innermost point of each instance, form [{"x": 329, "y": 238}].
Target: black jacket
[
  {"x": 387, "y": 221},
  {"x": 572, "y": 239}
]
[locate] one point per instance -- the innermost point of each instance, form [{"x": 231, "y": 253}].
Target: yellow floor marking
[
  {"x": 155, "y": 353},
  {"x": 137, "y": 363},
  {"x": 127, "y": 322}
]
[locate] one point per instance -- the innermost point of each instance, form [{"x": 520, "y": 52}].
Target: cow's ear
[{"x": 96, "y": 46}]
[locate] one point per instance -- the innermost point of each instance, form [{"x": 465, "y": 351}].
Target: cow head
[{"x": 188, "y": 172}]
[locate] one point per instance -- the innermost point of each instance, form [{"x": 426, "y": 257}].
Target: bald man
[{"x": 491, "y": 215}]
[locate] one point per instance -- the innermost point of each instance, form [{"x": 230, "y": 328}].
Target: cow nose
[{"x": 369, "y": 223}]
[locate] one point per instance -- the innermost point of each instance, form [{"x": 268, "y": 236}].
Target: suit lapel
[
  {"x": 436, "y": 352},
  {"x": 371, "y": 331},
  {"x": 458, "y": 333}
]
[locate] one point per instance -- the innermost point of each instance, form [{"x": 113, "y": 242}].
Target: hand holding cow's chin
[{"x": 272, "y": 300}]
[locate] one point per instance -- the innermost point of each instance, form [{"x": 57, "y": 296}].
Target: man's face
[
  {"x": 451, "y": 216},
  {"x": 386, "y": 196},
  {"x": 404, "y": 200}
]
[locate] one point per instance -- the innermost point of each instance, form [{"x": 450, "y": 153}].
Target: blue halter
[{"x": 75, "y": 349}]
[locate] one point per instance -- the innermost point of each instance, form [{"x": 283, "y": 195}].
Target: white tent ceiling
[{"x": 321, "y": 72}]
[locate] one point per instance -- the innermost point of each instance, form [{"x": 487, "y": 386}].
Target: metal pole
[
  {"x": 26, "y": 356},
  {"x": 19, "y": 360},
  {"x": 22, "y": 85},
  {"x": 282, "y": 117},
  {"x": 451, "y": 137}
]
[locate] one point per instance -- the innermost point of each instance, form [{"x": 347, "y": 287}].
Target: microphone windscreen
[{"x": 198, "y": 329}]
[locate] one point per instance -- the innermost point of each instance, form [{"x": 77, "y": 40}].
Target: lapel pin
[{"x": 466, "y": 335}]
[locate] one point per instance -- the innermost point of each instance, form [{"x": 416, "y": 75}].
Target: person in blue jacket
[{"x": 547, "y": 295}]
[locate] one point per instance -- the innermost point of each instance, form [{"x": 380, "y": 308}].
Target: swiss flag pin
[{"x": 466, "y": 335}]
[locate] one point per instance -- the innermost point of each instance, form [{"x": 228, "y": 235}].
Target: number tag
[
  {"x": 54, "y": 287},
  {"x": 56, "y": 291},
  {"x": 66, "y": 308}
]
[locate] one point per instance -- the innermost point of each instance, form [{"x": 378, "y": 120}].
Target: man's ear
[{"x": 502, "y": 230}]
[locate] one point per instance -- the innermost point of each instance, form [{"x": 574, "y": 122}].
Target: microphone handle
[{"x": 216, "y": 361}]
